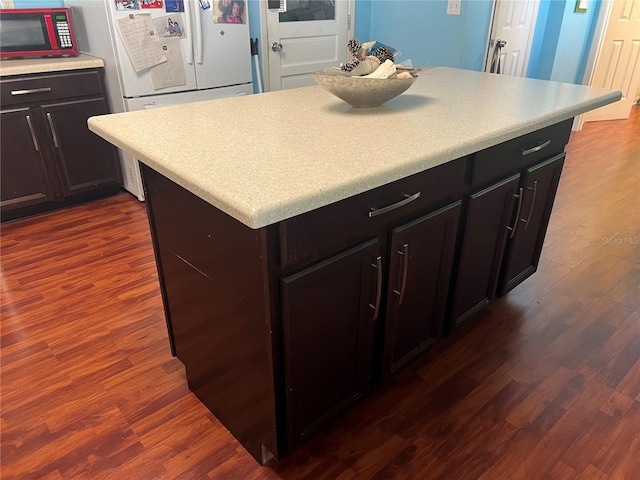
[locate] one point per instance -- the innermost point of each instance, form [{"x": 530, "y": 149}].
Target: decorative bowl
[{"x": 363, "y": 92}]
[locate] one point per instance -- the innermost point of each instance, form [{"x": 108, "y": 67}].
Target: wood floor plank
[{"x": 545, "y": 384}]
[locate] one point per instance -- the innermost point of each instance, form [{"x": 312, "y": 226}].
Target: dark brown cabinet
[
  {"x": 23, "y": 174},
  {"x": 489, "y": 212},
  {"x": 506, "y": 220},
  {"x": 49, "y": 158},
  {"x": 538, "y": 190},
  {"x": 281, "y": 328},
  {"x": 420, "y": 261},
  {"x": 328, "y": 314}
]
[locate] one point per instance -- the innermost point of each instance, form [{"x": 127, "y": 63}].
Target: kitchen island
[{"x": 307, "y": 250}]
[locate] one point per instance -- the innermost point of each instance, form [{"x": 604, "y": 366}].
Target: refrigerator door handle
[
  {"x": 198, "y": 44},
  {"x": 189, "y": 16}
]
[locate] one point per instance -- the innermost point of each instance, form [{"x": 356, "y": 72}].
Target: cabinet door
[
  {"x": 540, "y": 184},
  {"x": 23, "y": 172},
  {"x": 85, "y": 161},
  {"x": 328, "y": 323},
  {"x": 488, "y": 220},
  {"x": 420, "y": 261}
]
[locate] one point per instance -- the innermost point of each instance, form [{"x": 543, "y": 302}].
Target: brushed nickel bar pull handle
[
  {"x": 33, "y": 133},
  {"x": 533, "y": 202},
  {"x": 515, "y": 223},
  {"x": 380, "y": 211},
  {"x": 53, "y": 130},
  {"x": 405, "y": 269},
  {"x": 537, "y": 148},
  {"x": 31, "y": 90},
  {"x": 376, "y": 307}
]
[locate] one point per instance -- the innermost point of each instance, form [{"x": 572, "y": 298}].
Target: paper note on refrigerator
[
  {"x": 140, "y": 41},
  {"x": 170, "y": 73}
]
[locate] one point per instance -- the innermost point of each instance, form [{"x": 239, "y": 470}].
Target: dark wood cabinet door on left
[
  {"x": 85, "y": 161},
  {"x": 328, "y": 315},
  {"x": 23, "y": 171}
]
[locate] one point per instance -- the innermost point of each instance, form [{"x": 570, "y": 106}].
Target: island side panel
[{"x": 216, "y": 295}]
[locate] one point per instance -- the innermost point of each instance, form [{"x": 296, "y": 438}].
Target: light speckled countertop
[
  {"x": 264, "y": 158},
  {"x": 20, "y": 66}
]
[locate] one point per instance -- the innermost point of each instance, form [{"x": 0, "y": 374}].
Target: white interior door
[
  {"x": 308, "y": 36},
  {"x": 512, "y": 30},
  {"x": 617, "y": 65}
]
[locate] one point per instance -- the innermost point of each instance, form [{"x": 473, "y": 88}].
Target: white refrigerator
[{"x": 216, "y": 58}]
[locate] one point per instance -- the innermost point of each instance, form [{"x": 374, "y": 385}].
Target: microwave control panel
[{"x": 64, "y": 33}]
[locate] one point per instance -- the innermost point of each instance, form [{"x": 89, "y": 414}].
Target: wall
[
  {"x": 562, "y": 41},
  {"x": 38, "y": 3},
  {"x": 424, "y": 33}
]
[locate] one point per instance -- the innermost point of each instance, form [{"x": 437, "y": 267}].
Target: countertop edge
[
  {"x": 450, "y": 114},
  {"x": 26, "y": 66},
  {"x": 259, "y": 218}
]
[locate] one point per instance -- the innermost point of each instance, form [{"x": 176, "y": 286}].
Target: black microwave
[{"x": 37, "y": 32}]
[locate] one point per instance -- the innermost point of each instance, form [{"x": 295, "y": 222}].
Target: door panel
[
  {"x": 312, "y": 35},
  {"x": 513, "y": 22},
  {"x": 618, "y": 64},
  {"x": 80, "y": 152},
  {"x": 489, "y": 213},
  {"x": 523, "y": 250},
  {"x": 226, "y": 49},
  {"x": 328, "y": 336},
  {"x": 420, "y": 262},
  {"x": 22, "y": 170}
]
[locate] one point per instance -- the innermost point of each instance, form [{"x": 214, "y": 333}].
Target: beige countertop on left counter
[{"x": 21, "y": 66}]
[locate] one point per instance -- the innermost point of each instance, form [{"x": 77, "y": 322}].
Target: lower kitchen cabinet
[
  {"x": 87, "y": 163},
  {"x": 328, "y": 314},
  {"x": 24, "y": 178},
  {"x": 53, "y": 159},
  {"x": 420, "y": 262},
  {"x": 539, "y": 186},
  {"x": 488, "y": 215},
  {"x": 507, "y": 214}
]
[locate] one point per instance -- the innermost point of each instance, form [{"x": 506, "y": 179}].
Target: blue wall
[
  {"x": 562, "y": 41},
  {"x": 423, "y": 31},
  {"x": 38, "y": 3}
]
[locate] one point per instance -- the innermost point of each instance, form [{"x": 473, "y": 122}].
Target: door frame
[
  {"x": 264, "y": 37},
  {"x": 594, "y": 52}
]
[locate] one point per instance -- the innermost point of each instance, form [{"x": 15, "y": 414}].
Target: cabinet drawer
[
  {"x": 337, "y": 226},
  {"x": 39, "y": 88},
  {"x": 512, "y": 156}
]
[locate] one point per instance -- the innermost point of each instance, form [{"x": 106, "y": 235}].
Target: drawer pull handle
[
  {"x": 53, "y": 130},
  {"x": 533, "y": 202},
  {"x": 31, "y": 90},
  {"x": 376, "y": 306},
  {"x": 515, "y": 223},
  {"x": 33, "y": 133},
  {"x": 537, "y": 148},
  {"x": 374, "y": 212},
  {"x": 405, "y": 269}
]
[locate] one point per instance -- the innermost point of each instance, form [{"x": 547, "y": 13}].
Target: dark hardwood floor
[{"x": 545, "y": 385}]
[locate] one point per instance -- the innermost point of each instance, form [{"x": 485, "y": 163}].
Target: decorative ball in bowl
[{"x": 363, "y": 92}]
